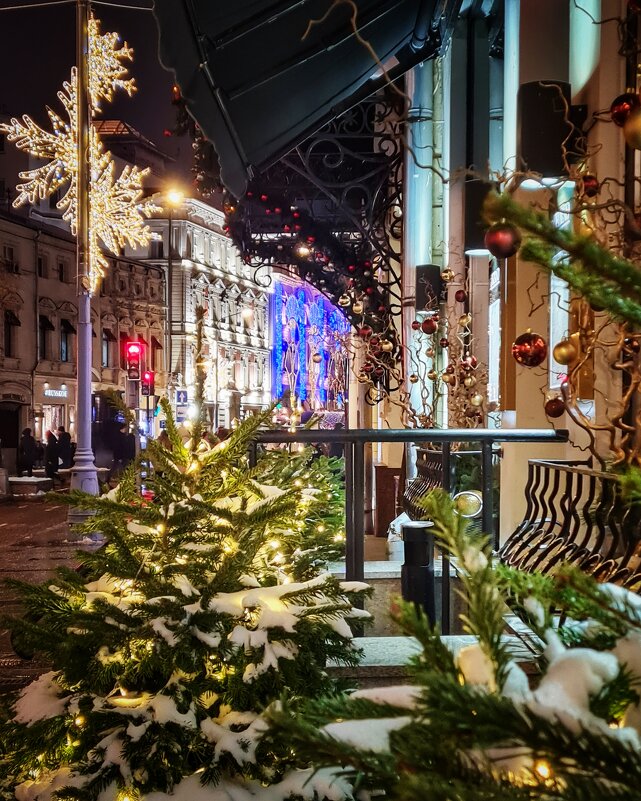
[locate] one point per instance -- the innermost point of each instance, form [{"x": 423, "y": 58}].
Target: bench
[
  {"x": 575, "y": 515},
  {"x": 29, "y": 485}
]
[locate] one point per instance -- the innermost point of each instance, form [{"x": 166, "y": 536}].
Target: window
[
  {"x": 66, "y": 331},
  {"x": 156, "y": 249},
  {"x": 60, "y": 270},
  {"x": 44, "y": 327},
  {"x": 11, "y": 321},
  {"x": 156, "y": 362},
  {"x": 123, "y": 349},
  {"x": 8, "y": 256},
  {"x": 42, "y": 266}
]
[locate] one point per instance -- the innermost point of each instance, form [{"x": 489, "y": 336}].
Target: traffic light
[
  {"x": 134, "y": 352},
  {"x": 148, "y": 383}
]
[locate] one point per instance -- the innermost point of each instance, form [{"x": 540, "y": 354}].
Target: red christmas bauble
[
  {"x": 530, "y": 349},
  {"x": 444, "y": 342},
  {"x": 554, "y": 407},
  {"x": 622, "y": 106},
  {"x": 365, "y": 331},
  {"x": 429, "y": 326},
  {"x": 634, "y": 6},
  {"x": 590, "y": 185},
  {"x": 632, "y": 345},
  {"x": 502, "y": 240},
  {"x": 460, "y": 296}
]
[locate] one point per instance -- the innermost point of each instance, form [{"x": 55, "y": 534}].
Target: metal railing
[{"x": 354, "y": 441}]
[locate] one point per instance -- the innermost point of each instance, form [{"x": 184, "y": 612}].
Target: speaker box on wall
[
  {"x": 544, "y": 126},
  {"x": 475, "y": 194},
  {"x": 430, "y": 289}
]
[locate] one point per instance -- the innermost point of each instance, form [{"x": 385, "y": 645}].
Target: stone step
[{"x": 385, "y": 659}]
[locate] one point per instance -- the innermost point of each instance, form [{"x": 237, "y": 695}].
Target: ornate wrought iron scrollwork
[{"x": 331, "y": 208}]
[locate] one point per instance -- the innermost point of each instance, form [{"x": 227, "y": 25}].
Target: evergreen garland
[{"x": 475, "y": 726}]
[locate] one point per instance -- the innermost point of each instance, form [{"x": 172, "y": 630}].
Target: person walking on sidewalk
[
  {"x": 26, "y": 453},
  {"x": 64, "y": 447},
  {"x": 52, "y": 455}
]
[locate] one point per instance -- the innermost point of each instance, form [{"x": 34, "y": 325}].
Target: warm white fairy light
[{"x": 117, "y": 207}]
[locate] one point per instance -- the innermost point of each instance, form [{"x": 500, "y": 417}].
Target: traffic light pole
[{"x": 83, "y": 475}]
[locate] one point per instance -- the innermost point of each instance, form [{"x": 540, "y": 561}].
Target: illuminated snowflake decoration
[{"x": 117, "y": 206}]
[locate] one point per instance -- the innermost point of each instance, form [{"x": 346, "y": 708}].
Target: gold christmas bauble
[
  {"x": 317, "y": 358},
  {"x": 387, "y": 345},
  {"x": 469, "y": 381},
  {"x": 430, "y": 353},
  {"x": 464, "y": 320},
  {"x": 565, "y": 352},
  {"x": 357, "y": 308},
  {"x": 432, "y": 375},
  {"x": 476, "y": 400},
  {"x": 632, "y": 130},
  {"x": 413, "y": 378},
  {"x": 344, "y": 301},
  {"x": 447, "y": 378},
  {"x": 447, "y": 275}
]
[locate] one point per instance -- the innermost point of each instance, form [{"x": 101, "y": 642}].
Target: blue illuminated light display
[{"x": 305, "y": 323}]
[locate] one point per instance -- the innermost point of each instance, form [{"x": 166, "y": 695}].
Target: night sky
[{"x": 37, "y": 51}]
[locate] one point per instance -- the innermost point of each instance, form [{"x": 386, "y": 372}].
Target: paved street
[{"x": 34, "y": 540}]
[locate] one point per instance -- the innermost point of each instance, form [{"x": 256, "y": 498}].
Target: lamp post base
[{"x": 84, "y": 477}]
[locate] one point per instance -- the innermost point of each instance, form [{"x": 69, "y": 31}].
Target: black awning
[
  {"x": 11, "y": 318},
  {"x": 257, "y": 88},
  {"x": 45, "y": 323},
  {"x": 66, "y": 327}
]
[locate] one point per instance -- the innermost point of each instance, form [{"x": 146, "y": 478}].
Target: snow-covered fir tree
[{"x": 203, "y": 607}]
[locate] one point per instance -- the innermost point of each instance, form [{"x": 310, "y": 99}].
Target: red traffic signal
[
  {"x": 133, "y": 353},
  {"x": 148, "y": 379}
]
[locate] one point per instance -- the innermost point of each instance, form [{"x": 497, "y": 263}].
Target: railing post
[
  {"x": 253, "y": 453},
  {"x": 487, "y": 490},
  {"x": 349, "y": 509},
  {"x": 445, "y": 559},
  {"x": 356, "y": 570}
]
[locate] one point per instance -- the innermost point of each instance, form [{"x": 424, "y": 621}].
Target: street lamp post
[
  {"x": 83, "y": 475},
  {"x": 174, "y": 199}
]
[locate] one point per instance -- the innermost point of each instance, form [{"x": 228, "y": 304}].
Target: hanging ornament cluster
[
  {"x": 502, "y": 240},
  {"x": 530, "y": 349},
  {"x": 268, "y": 228}
]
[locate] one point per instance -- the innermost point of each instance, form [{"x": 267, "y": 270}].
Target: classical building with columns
[{"x": 204, "y": 270}]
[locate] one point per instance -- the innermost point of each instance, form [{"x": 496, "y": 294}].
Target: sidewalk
[{"x": 34, "y": 540}]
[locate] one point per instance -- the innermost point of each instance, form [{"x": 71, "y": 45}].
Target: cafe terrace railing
[{"x": 354, "y": 442}]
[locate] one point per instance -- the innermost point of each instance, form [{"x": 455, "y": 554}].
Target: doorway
[{"x": 9, "y": 435}]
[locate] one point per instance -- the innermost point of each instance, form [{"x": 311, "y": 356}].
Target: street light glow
[{"x": 175, "y": 197}]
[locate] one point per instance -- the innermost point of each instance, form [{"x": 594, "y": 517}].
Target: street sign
[{"x": 182, "y": 397}]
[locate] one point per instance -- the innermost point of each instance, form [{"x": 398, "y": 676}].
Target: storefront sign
[{"x": 55, "y": 393}]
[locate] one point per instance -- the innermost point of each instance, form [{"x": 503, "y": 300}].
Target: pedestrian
[
  {"x": 52, "y": 455},
  {"x": 40, "y": 454},
  {"x": 64, "y": 447},
  {"x": 26, "y": 452}
]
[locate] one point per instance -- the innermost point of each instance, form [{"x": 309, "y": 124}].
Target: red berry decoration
[
  {"x": 590, "y": 185},
  {"x": 530, "y": 349},
  {"x": 623, "y": 106},
  {"x": 460, "y": 296},
  {"x": 554, "y": 407},
  {"x": 444, "y": 342},
  {"x": 502, "y": 240},
  {"x": 429, "y": 326},
  {"x": 415, "y": 325},
  {"x": 264, "y": 198},
  {"x": 365, "y": 331}
]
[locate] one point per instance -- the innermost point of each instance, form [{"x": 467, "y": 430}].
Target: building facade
[
  {"x": 38, "y": 345},
  {"x": 205, "y": 271}
]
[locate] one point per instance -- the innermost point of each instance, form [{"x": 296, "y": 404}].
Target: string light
[
  {"x": 542, "y": 769},
  {"x": 117, "y": 206}
]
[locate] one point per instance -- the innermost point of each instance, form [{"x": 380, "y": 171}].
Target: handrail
[
  {"x": 364, "y": 435},
  {"x": 355, "y": 441}
]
